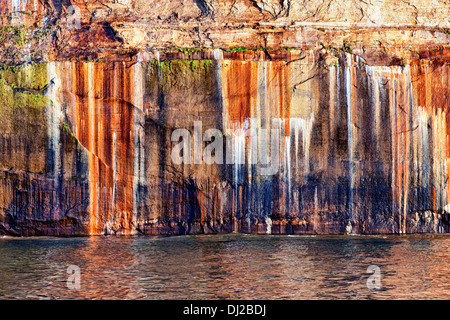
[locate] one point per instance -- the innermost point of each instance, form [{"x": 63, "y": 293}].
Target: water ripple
[{"x": 226, "y": 267}]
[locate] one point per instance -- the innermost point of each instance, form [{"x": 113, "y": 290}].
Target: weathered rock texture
[{"x": 357, "y": 94}]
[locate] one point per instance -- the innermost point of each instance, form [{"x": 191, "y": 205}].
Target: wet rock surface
[{"x": 356, "y": 99}]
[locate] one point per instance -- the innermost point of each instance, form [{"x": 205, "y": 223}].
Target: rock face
[{"x": 160, "y": 117}]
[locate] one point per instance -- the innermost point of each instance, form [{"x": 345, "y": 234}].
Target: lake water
[{"x": 233, "y": 266}]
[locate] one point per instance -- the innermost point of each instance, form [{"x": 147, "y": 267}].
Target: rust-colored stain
[
  {"x": 104, "y": 121},
  {"x": 240, "y": 87},
  {"x": 400, "y": 111},
  {"x": 430, "y": 82},
  {"x": 252, "y": 85},
  {"x": 279, "y": 91},
  {"x": 418, "y": 103},
  {"x": 417, "y": 96}
]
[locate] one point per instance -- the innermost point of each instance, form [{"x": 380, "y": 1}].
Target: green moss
[
  {"x": 207, "y": 64},
  {"x": 20, "y": 38},
  {"x": 23, "y": 112},
  {"x": 124, "y": 52},
  {"x": 6, "y": 94},
  {"x": 30, "y": 101},
  {"x": 18, "y": 34},
  {"x": 181, "y": 75},
  {"x": 243, "y": 49},
  {"x": 40, "y": 33},
  {"x": 348, "y": 47},
  {"x": 173, "y": 67},
  {"x": 237, "y": 49},
  {"x": 31, "y": 76},
  {"x": 66, "y": 130},
  {"x": 166, "y": 66},
  {"x": 193, "y": 64},
  {"x": 261, "y": 49},
  {"x": 188, "y": 50}
]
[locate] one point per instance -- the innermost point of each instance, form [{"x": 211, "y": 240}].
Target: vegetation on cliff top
[{"x": 189, "y": 76}]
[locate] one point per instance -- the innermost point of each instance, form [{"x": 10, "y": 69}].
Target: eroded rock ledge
[{"x": 37, "y": 30}]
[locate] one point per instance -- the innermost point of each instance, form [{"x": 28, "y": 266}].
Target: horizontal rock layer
[{"x": 34, "y": 30}]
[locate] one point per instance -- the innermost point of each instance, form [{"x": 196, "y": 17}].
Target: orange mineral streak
[
  {"x": 431, "y": 91},
  {"x": 239, "y": 77},
  {"x": 278, "y": 91},
  {"x": 104, "y": 118},
  {"x": 202, "y": 206},
  {"x": 256, "y": 89},
  {"x": 419, "y": 95}
]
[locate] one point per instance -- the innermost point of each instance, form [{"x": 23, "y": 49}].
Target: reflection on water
[{"x": 226, "y": 267}]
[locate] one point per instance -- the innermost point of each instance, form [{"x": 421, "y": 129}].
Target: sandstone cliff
[{"x": 356, "y": 92}]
